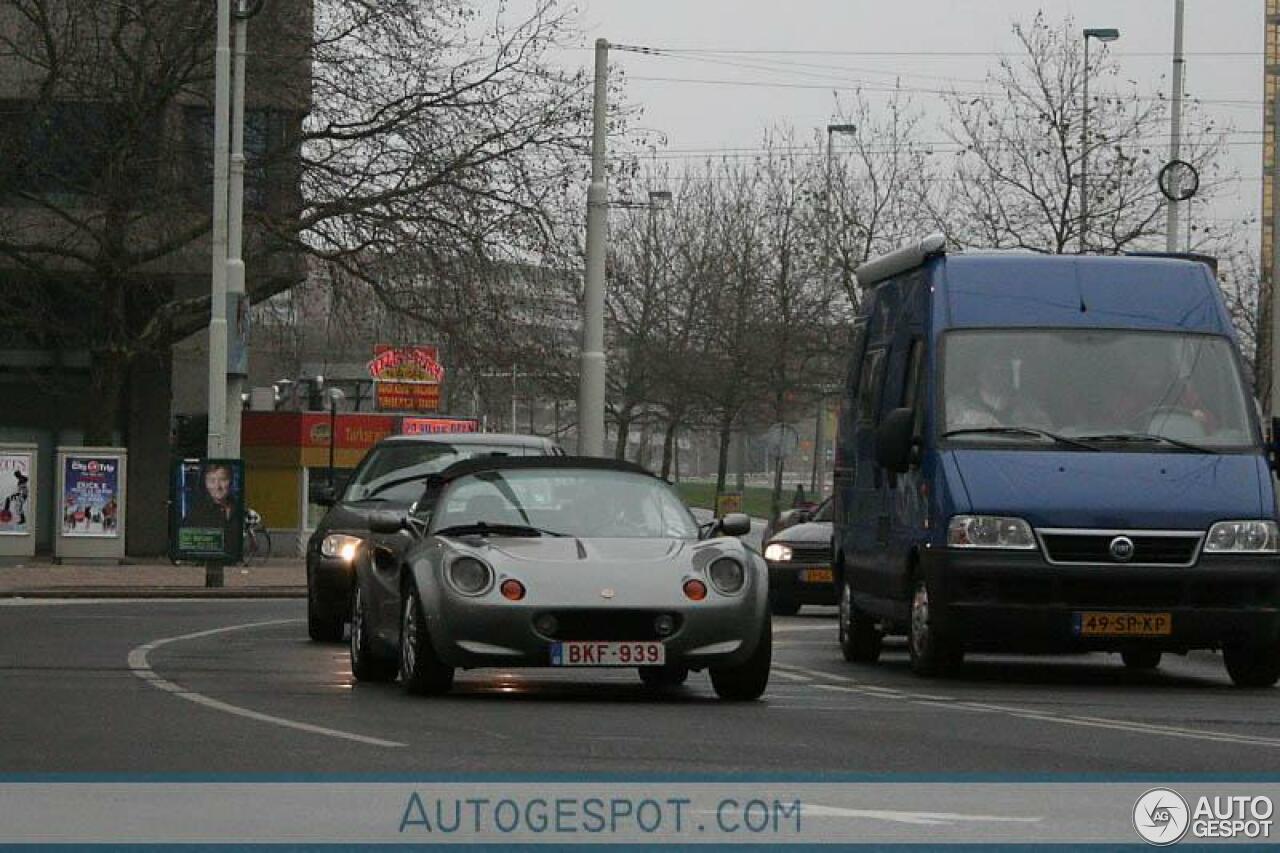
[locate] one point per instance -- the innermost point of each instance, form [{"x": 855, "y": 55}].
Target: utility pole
[
  {"x": 221, "y": 179},
  {"x": 591, "y": 388},
  {"x": 1273, "y": 408},
  {"x": 1175, "y": 130},
  {"x": 237, "y": 366}
]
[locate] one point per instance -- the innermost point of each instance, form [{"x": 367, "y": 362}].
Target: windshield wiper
[
  {"x": 484, "y": 528},
  {"x": 1148, "y": 438},
  {"x": 1017, "y": 430}
]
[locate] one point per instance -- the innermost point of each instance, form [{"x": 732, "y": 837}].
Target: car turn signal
[
  {"x": 695, "y": 589},
  {"x": 512, "y": 589}
]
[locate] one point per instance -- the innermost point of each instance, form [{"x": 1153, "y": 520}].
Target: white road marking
[{"x": 141, "y": 668}]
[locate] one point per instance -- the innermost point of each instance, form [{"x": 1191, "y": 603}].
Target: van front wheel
[
  {"x": 1252, "y": 666},
  {"x": 932, "y": 652},
  {"x": 860, "y": 641}
]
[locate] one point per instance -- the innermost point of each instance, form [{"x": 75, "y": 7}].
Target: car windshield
[
  {"x": 1083, "y": 389},
  {"x": 395, "y": 472},
  {"x": 566, "y": 501},
  {"x": 823, "y": 512}
]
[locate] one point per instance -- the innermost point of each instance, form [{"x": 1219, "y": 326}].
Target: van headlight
[
  {"x": 989, "y": 531},
  {"x": 340, "y": 545},
  {"x": 1243, "y": 537},
  {"x": 777, "y": 552}
]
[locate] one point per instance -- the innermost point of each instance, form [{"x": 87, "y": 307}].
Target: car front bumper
[
  {"x": 1019, "y": 601},
  {"x": 797, "y": 582}
]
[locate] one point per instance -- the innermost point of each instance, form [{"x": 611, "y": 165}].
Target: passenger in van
[{"x": 992, "y": 399}]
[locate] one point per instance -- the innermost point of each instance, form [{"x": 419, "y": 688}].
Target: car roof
[
  {"x": 511, "y": 439},
  {"x": 510, "y": 463}
]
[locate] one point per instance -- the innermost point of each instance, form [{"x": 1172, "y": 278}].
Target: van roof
[{"x": 1015, "y": 289}]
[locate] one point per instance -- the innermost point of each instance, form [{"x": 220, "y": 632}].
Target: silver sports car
[{"x": 560, "y": 562}]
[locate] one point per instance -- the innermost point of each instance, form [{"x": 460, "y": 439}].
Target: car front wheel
[
  {"x": 421, "y": 670},
  {"x": 747, "y": 680}
]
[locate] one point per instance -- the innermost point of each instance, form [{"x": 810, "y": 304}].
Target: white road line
[
  {"x": 789, "y": 676},
  {"x": 141, "y": 668}
]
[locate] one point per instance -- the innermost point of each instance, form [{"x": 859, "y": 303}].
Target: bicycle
[{"x": 257, "y": 541}]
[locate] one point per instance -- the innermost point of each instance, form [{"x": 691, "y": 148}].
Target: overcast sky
[{"x": 931, "y": 44}]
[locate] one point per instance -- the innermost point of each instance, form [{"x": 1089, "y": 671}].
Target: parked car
[
  {"x": 799, "y": 556},
  {"x": 1042, "y": 452},
  {"x": 390, "y": 476},
  {"x": 560, "y": 562}
]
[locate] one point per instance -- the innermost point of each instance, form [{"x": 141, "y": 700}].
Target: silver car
[{"x": 560, "y": 562}]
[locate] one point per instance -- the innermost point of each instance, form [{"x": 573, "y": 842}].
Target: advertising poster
[
  {"x": 15, "y": 493},
  {"x": 207, "y": 518},
  {"x": 91, "y": 496}
]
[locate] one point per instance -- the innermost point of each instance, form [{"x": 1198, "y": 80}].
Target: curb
[{"x": 157, "y": 592}]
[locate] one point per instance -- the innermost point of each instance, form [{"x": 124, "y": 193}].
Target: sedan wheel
[
  {"x": 860, "y": 640},
  {"x": 932, "y": 653},
  {"x": 421, "y": 671},
  {"x": 365, "y": 665}
]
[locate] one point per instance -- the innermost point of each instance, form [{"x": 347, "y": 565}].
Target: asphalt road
[{"x": 235, "y": 686}]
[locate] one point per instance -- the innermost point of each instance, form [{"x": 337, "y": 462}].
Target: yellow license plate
[
  {"x": 1106, "y": 624},
  {"x": 817, "y": 576}
]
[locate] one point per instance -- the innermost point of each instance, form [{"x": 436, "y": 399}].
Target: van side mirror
[
  {"x": 735, "y": 524},
  {"x": 894, "y": 440},
  {"x": 386, "y": 521}
]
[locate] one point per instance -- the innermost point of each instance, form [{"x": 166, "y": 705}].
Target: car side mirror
[
  {"x": 327, "y": 498},
  {"x": 735, "y": 524},
  {"x": 894, "y": 440},
  {"x": 386, "y": 521}
]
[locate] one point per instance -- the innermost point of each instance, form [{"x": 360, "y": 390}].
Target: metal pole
[
  {"x": 591, "y": 389},
  {"x": 815, "y": 482},
  {"x": 218, "y": 293},
  {"x": 333, "y": 433},
  {"x": 1084, "y": 155},
  {"x": 1273, "y": 403},
  {"x": 1175, "y": 130},
  {"x": 237, "y": 312},
  {"x": 514, "y": 428}
]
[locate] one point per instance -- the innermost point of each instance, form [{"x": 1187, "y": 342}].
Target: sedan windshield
[
  {"x": 564, "y": 501},
  {"x": 395, "y": 472},
  {"x": 1086, "y": 389}
]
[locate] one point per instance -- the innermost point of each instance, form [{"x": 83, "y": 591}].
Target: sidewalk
[{"x": 39, "y": 577}]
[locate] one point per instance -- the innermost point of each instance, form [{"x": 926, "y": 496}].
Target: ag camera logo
[{"x": 1161, "y": 816}]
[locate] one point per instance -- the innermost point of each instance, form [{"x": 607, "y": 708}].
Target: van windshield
[{"x": 1172, "y": 389}]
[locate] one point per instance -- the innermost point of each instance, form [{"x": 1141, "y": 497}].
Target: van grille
[{"x": 1169, "y": 549}]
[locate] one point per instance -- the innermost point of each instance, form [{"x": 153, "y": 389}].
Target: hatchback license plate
[
  {"x": 1106, "y": 624},
  {"x": 590, "y": 653},
  {"x": 817, "y": 576}
]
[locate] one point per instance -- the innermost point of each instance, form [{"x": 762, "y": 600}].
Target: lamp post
[
  {"x": 1104, "y": 34},
  {"x": 819, "y": 438},
  {"x": 335, "y": 396}
]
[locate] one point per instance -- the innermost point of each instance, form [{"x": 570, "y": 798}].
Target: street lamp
[
  {"x": 335, "y": 396},
  {"x": 1103, "y": 34},
  {"x": 819, "y": 439}
]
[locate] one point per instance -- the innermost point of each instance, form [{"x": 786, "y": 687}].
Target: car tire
[
  {"x": 365, "y": 664},
  {"x": 323, "y": 625},
  {"x": 1141, "y": 659},
  {"x": 860, "y": 640},
  {"x": 1252, "y": 666},
  {"x": 746, "y": 681},
  {"x": 656, "y": 677},
  {"x": 932, "y": 653},
  {"x": 783, "y": 604},
  {"x": 421, "y": 670}
]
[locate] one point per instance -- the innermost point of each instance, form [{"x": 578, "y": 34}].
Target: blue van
[{"x": 1052, "y": 453}]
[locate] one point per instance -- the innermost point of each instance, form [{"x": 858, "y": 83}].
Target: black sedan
[
  {"x": 799, "y": 558},
  {"x": 390, "y": 477}
]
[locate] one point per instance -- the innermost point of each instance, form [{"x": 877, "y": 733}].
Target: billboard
[
  {"x": 91, "y": 496},
  {"x": 206, "y": 515},
  {"x": 432, "y": 426},
  {"x": 407, "y": 378},
  {"x": 15, "y": 493}
]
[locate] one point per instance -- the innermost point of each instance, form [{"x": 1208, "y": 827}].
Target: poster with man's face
[
  {"x": 91, "y": 496},
  {"x": 207, "y": 518},
  {"x": 15, "y": 494}
]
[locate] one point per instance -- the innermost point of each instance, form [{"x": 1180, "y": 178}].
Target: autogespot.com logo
[{"x": 1161, "y": 816}]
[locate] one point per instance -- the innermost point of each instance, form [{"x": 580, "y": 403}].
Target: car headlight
[
  {"x": 340, "y": 545},
  {"x": 989, "y": 531},
  {"x": 1244, "y": 537},
  {"x": 469, "y": 576},
  {"x": 727, "y": 575},
  {"x": 777, "y": 552}
]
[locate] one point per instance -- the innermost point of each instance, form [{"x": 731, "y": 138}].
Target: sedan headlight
[
  {"x": 1244, "y": 537},
  {"x": 727, "y": 575},
  {"x": 989, "y": 531},
  {"x": 777, "y": 552},
  {"x": 340, "y": 545},
  {"x": 469, "y": 576}
]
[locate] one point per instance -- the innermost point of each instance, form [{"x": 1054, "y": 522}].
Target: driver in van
[{"x": 992, "y": 399}]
